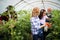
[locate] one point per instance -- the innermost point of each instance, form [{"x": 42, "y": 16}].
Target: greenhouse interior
[{"x": 15, "y": 23}]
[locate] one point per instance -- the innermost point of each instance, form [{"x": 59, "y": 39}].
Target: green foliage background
[
  {"x": 55, "y": 29},
  {"x": 21, "y": 29}
]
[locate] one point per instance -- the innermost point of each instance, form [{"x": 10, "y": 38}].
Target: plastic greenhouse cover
[{"x": 29, "y": 4}]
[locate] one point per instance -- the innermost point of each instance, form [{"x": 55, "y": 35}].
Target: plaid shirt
[{"x": 35, "y": 25}]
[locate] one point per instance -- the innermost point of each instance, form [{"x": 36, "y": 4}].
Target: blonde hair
[{"x": 35, "y": 10}]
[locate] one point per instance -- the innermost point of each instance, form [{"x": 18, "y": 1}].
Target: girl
[{"x": 35, "y": 23}]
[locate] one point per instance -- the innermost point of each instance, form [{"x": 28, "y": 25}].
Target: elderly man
[{"x": 49, "y": 15}]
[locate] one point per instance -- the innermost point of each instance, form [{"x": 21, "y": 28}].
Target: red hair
[{"x": 35, "y": 10}]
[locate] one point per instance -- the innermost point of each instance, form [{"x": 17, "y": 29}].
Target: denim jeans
[
  {"x": 35, "y": 37},
  {"x": 40, "y": 34}
]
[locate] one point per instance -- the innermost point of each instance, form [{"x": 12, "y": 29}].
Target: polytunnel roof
[{"x": 29, "y": 4}]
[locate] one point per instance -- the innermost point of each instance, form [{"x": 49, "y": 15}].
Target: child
[{"x": 35, "y": 23}]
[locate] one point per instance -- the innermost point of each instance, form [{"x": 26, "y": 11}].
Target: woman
[
  {"x": 42, "y": 16},
  {"x": 35, "y": 23}
]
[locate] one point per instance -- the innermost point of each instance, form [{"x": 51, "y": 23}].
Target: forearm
[{"x": 42, "y": 26}]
